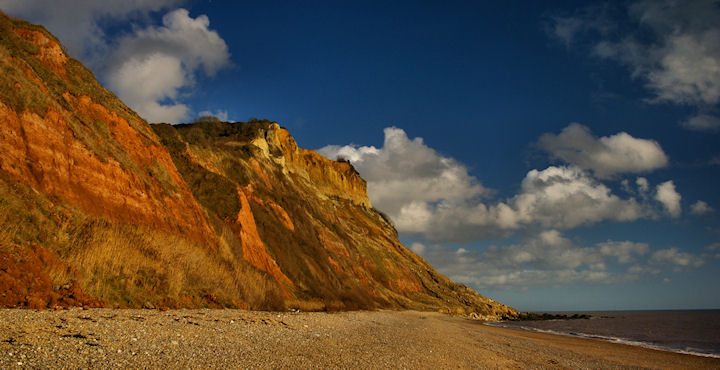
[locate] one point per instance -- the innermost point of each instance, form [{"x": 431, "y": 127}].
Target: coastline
[
  {"x": 693, "y": 332},
  {"x": 98, "y": 338},
  {"x": 607, "y": 339}
]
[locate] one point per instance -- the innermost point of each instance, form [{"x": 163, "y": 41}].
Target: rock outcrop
[{"x": 99, "y": 208}]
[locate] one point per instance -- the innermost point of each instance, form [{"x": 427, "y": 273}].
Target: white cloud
[
  {"x": 605, "y": 156},
  {"x": 683, "y": 65},
  {"x": 181, "y": 36},
  {"x": 549, "y": 250},
  {"x": 702, "y": 122},
  {"x": 624, "y": 251},
  {"x": 642, "y": 184},
  {"x": 150, "y": 68},
  {"x": 407, "y": 179},
  {"x": 566, "y": 197},
  {"x": 637, "y": 270},
  {"x": 700, "y": 208},
  {"x": 670, "y": 199},
  {"x": 673, "y": 46},
  {"x": 152, "y": 65},
  {"x": 689, "y": 71},
  {"x": 550, "y": 258},
  {"x": 430, "y": 194},
  {"x": 161, "y": 76},
  {"x": 549, "y": 200},
  {"x": 674, "y": 257}
]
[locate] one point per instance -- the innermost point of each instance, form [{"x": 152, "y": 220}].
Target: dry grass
[
  {"x": 131, "y": 265},
  {"x": 8, "y": 230},
  {"x": 307, "y": 306},
  {"x": 128, "y": 265}
]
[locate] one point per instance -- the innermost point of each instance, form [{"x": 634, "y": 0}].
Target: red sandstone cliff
[
  {"x": 98, "y": 208},
  {"x": 63, "y": 139}
]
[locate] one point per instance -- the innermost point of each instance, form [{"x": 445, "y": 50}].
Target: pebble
[{"x": 107, "y": 338}]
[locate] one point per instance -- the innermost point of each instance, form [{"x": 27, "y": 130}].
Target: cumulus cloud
[
  {"x": 670, "y": 199},
  {"x": 161, "y": 76},
  {"x": 605, "y": 156},
  {"x": 625, "y": 252},
  {"x": 152, "y": 65},
  {"x": 150, "y": 68},
  {"x": 549, "y": 250},
  {"x": 403, "y": 181},
  {"x": 701, "y": 208},
  {"x": 674, "y": 257},
  {"x": 566, "y": 197},
  {"x": 673, "y": 46},
  {"x": 433, "y": 195},
  {"x": 407, "y": 179},
  {"x": 548, "y": 257}
]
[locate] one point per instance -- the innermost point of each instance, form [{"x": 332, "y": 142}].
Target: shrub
[{"x": 206, "y": 119}]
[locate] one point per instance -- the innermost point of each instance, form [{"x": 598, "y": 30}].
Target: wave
[{"x": 630, "y": 342}]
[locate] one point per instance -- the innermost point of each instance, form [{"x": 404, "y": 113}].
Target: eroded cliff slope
[
  {"x": 92, "y": 208},
  {"x": 98, "y": 208},
  {"x": 306, "y": 220}
]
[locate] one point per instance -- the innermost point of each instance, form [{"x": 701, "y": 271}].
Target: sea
[{"x": 695, "y": 332}]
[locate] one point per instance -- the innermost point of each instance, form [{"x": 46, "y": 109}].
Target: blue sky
[{"x": 553, "y": 155}]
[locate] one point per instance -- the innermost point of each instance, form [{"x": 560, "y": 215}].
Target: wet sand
[{"x": 102, "y": 338}]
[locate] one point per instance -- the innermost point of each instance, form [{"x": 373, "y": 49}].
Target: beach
[{"x": 102, "y": 338}]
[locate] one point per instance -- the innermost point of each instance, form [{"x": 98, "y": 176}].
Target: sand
[{"x": 103, "y": 338}]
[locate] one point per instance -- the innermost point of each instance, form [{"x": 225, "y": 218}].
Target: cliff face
[
  {"x": 331, "y": 178},
  {"x": 98, "y": 208},
  {"x": 306, "y": 220},
  {"x": 80, "y": 171},
  {"x": 65, "y": 135}
]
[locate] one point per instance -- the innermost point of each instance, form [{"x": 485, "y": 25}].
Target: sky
[{"x": 553, "y": 155}]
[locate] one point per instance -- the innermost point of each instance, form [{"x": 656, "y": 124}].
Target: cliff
[
  {"x": 306, "y": 221},
  {"x": 66, "y": 136},
  {"x": 99, "y": 208}
]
